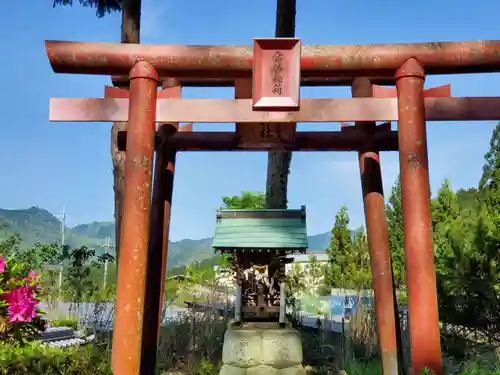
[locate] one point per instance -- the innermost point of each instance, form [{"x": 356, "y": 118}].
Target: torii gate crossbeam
[{"x": 320, "y": 62}]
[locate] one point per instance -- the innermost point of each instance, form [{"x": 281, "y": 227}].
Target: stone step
[
  {"x": 57, "y": 333},
  {"x": 63, "y": 337}
]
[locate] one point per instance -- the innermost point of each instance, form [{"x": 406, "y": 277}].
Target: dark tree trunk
[
  {"x": 130, "y": 33},
  {"x": 285, "y": 18},
  {"x": 131, "y": 21},
  {"x": 278, "y": 162},
  {"x": 118, "y": 159}
]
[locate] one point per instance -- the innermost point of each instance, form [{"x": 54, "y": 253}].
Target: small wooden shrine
[{"x": 258, "y": 243}]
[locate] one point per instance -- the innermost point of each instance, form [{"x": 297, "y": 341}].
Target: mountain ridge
[{"x": 39, "y": 225}]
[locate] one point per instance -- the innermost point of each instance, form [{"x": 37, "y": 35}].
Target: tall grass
[
  {"x": 192, "y": 340},
  {"x": 362, "y": 336}
]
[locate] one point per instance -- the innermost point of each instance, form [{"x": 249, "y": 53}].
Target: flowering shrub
[{"x": 20, "y": 318}]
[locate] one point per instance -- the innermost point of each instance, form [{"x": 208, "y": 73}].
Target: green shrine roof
[{"x": 261, "y": 229}]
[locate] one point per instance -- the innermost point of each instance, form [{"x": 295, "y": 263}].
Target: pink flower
[
  {"x": 2, "y": 264},
  {"x": 21, "y": 304},
  {"x": 32, "y": 276},
  {"x": 20, "y": 313}
]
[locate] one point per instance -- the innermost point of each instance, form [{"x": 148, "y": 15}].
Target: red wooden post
[
  {"x": 161, "y": 204},
  {"x": 419, "y": 254},
  {"x": 158, "y": 251},
  {"x": 378, "y": 238},
  {"x": 131, "y": 284}
]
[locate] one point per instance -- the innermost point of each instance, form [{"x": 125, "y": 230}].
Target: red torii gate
[{"x": 144, "y": 238}]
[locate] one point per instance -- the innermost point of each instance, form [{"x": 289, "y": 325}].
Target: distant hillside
[
  {"x": 319, "y": 242},
  {"x": 96, "y": 229},
  {"x": 38, "y": 225}
]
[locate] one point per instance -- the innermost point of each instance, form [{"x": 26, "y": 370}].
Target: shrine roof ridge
[
  {"x": 261, "y": 229},
  {"x": 265, "y": 213},
  {"x": 260, "y": 209}
]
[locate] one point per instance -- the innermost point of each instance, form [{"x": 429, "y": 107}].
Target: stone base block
[
  {"x": 262, "y": 349},
  {"x": 262, "y": 370}
]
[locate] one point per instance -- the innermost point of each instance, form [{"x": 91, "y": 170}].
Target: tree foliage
[
  {"x": 491, "y": 168},
  {"x": 348, "y": 256},
  {"x": 469, "y": 199},
  {"x": 467, "y": 241},
  {"x": 248, "y": 200},
  {"x": 489, "y": 184},
  {"x": 33, "y": 258},
  {"x": 102, "y": 7},
  {"x": 395, "y": 223},
  {"x": 295, "y": 286},
  {"x": 314, "y": 273}
]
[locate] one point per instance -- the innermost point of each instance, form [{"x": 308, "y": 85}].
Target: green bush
[
  {"x": 34, "y": 359},
  {"x": 65, "y": 322}
]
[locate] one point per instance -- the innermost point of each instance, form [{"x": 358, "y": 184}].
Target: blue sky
[{"x": 50, "y": 164}]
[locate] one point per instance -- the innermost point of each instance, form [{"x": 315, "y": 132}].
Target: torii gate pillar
[
  {"x": 415, "y": 195},
  {"x": 131, "y": 285}
]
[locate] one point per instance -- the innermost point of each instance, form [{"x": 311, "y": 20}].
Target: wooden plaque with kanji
[{"x": 276, "y": 74}]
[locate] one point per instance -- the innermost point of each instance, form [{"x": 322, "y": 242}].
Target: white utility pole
[
  {"x": 107, "y": 246},
  {"x": 63, "y": 228}
]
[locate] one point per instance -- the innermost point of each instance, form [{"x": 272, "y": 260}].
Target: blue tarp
[
  {"x": 342, "y": 305},
  {"x": 345, "y": 305}
]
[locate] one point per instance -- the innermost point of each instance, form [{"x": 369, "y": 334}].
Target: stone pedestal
[{"x": 262, "y": 349}]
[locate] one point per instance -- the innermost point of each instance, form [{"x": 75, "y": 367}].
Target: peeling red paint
[
  {"x": 378, "y": 237},
  {"x": 126, "y": 356},
  {"x": 378, "y": 60},
  {"x": 420, "y": 269}
]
